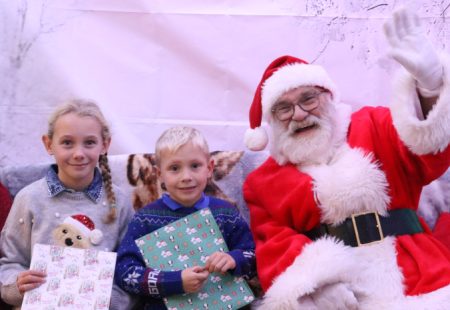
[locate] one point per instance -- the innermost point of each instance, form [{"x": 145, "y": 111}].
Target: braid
[{"x": 107, "y": 181}]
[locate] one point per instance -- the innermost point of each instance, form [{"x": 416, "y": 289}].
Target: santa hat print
[
  {"x": 283, "y": 74},
  {"x": 86, "y": 226}
]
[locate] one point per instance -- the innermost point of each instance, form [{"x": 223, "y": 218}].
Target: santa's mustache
[{"x": 310, "y": 122}]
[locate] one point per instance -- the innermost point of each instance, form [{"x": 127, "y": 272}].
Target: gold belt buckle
[{"x": 355, "y": 227}]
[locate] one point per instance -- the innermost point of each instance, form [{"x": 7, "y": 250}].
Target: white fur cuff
[
  {"x": 310, "y": 270},
  {"x": 428, "y": 136}
]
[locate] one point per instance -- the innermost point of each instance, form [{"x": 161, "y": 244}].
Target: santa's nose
[
  {"x": 299, "y": 114},
  {"x": 68, "y": 242}
]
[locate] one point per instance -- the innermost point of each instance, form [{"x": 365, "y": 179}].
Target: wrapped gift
[
  {"x": 76, "y": 278},
  {"x": 186, "y": 243}
]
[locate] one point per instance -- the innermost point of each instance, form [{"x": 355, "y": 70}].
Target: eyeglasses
[{"x": 307, "y": 102}]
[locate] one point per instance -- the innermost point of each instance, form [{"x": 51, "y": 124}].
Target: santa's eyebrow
[{"x": 282, "y": 102}]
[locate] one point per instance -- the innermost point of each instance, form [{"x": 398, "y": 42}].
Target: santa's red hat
[
  {"x": 86, "y": 226},
  {"x": 283, "y": 74}
]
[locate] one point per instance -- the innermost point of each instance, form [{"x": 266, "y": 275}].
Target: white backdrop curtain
[{"x": 153, "y": 64}]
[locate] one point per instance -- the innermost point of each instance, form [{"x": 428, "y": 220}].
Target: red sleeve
[
  {"x": 441, "y": 229},
  {"x": 5, "y": 204},
  {"x": 278, "y": 220},
  {"x": 373, "y": 130}
]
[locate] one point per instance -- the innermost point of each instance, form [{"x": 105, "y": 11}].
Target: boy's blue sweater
[{"x": 153, "y": 284}]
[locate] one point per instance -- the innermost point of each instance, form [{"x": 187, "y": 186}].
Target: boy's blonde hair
[
  {"x": 175, "y": 137},
  {"x": 87, "y": 108}
]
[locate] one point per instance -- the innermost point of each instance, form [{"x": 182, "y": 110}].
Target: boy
[{"x": 183, "y": 167}]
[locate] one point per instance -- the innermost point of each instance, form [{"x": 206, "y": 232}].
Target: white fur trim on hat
[
  {"x": 96, "y": 236},
  {"x": 256, "y": 139},
  {"x": 291, "y": 76}
]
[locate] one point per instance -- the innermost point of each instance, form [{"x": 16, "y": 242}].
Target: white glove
[
  {"x": 336, "y": 296},
  {"x": 306, "y": 303},
  {"x": 411, "y": 48}
]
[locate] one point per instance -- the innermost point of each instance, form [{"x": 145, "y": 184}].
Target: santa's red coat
[{"x": 283, "y": 207}]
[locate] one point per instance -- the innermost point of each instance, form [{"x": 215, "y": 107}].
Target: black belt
[{"x": 360, "y": 229}]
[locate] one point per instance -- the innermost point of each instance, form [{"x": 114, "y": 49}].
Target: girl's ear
[
  {"x": 106, "y": 145},
  {"x": 47, "y": 144}
]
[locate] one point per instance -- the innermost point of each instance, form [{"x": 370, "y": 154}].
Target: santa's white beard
[{"x": 312, "y": 147}]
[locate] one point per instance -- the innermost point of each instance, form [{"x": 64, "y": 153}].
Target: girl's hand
[
  {"x": 220, "y": 262},
  {"x": 30, "y": 279},
  {"x": 193, "y": 278}
]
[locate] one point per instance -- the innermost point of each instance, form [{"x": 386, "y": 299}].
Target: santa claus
[{"x": 332, "y": 210}]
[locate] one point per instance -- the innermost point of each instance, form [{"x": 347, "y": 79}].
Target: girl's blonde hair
[
  {"x": 88, "y": 108},
  {"x": 175, "y": 137}
]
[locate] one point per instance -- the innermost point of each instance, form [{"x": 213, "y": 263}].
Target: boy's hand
[
  {"x": 220, "y": 262},
  {"x": 193, "y": 278},
  {"x": 30, "y": 279}
]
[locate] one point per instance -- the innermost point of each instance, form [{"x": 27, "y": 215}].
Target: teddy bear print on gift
[{"x": 77, "y": 231}]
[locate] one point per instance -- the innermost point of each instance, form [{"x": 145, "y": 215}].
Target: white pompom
[
  {"x": 256, "y": 139},
  {"x": 96, "y": 236}
]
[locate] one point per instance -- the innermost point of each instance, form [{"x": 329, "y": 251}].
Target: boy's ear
[
  {"x": 47, "y": 144},
  {"x": 210, "y": 168},
  {"x": 106, "y": 145},
  {"x": 158, "y": 172}
]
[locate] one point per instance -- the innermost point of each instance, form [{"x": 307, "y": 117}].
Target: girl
[{"x": 74, "y": 193}]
